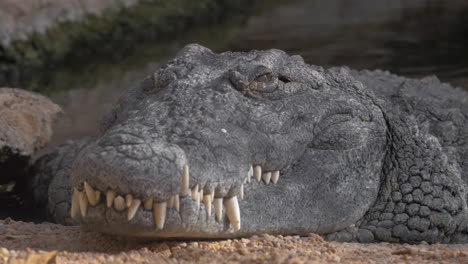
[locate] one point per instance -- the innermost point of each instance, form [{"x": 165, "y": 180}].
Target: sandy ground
[{"x": 22, "y": 242}]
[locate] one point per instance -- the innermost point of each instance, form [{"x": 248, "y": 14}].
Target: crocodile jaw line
[{"x": 85, "y": 198}]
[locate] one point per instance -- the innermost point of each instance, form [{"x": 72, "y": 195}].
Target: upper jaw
[
  {"x": 123, "y": 169},
  {"x": 112, "y": 187}
]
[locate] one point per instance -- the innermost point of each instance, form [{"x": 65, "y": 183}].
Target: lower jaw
[
  {"x": 191, "y": 222},
  {"x": 286, "y": 208}
]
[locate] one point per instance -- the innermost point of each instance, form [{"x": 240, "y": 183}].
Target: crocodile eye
[
  {"x": 257, "y": 81},
  {"x": 260, "y": 83},
  {"x": 262, "y": 74},
  {"x": 265, "y": 78}
]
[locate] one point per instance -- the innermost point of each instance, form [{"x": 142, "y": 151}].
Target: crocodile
[{"x": 234, "y": 144}]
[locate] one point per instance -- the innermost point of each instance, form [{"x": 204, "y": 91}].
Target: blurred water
[{"x": 411, "y": 38}]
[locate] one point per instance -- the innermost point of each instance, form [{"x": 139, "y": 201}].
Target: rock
[
  {"x": 25, "y": 127},
  {"x": 20, "y": 19}
]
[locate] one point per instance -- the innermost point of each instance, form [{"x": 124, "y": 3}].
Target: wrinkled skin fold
[{"x": 237, "y": 144}]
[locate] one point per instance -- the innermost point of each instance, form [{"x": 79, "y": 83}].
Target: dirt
[{"x": 22, "y": 242}]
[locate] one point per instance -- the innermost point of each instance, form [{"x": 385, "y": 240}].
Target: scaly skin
[{"x": 364, "y": 156}]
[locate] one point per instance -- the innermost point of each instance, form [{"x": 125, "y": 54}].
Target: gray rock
[{"x": 26, "y": 120}]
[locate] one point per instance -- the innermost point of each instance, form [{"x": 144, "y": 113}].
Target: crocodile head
[{"x": 233, "y": 144}]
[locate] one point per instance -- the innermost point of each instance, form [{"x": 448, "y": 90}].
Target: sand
[{"x": 22, "y": 242}]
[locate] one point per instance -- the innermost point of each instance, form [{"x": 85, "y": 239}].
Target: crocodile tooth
[
  {"x": 110, "y": 197},
  {"x": 212, "y": 194},
  {"x": 258, "y": 172},
  {"x": 170, "y": 202},
  {"x": 197, "y": 199},
  {"x": 128, "y": 200},
  {"x": 75, "y": 205},
  {"x": 132, "y": 210},
  {"x": 194, "y": 192},
  {"x": 250, "y": 174},
  {"x": 184, "y": 188},
  {"x": 159, "y": 214},
  {"x": 83, "y": 203},
  {"x": 207, "y": 202},
  {"x": 242, "y": 192},
  {"x": 275, "y": 176},
  {"x": 148, "y": 204},
  {"x": 176, "y": 202},
  {"x": 233, "y": 212},
  {"x": 201, "y": 194},
  {"x": 119, "y": 203},
  {"x": 91, "y": 194},
  {"x": 266, "y": 177},
  {"x": 88, "y": 189},
  {"x": 218, "y": 204}
]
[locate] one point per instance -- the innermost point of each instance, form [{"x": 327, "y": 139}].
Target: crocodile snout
[{"x": 127, "y": 163}]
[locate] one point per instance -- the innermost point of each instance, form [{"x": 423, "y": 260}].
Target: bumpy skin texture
[
  {"x": 364, "y": 156},
  {"x": 423, "y": 194}
]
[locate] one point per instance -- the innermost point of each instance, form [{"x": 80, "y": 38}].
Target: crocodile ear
[{"x": 193, "y": 50}]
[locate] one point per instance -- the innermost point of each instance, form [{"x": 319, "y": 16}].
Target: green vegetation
[{"x": 111, "y": 34}]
